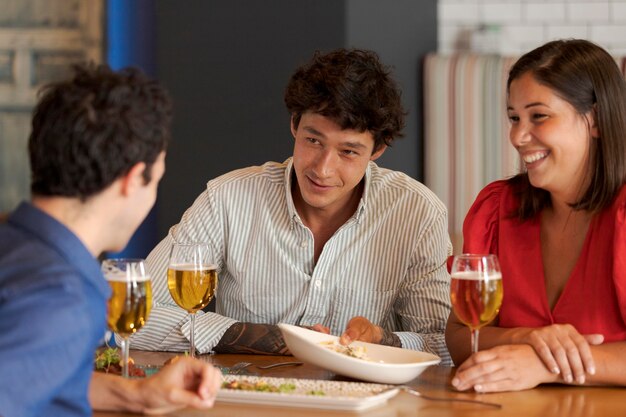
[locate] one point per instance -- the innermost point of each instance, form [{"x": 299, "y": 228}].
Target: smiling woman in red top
[{"x": 559, "y": 229}]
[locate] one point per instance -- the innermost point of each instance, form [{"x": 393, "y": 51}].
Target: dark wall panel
[
  {"x": 226, "y": 64},
  {"x": 402, "y": 32}
]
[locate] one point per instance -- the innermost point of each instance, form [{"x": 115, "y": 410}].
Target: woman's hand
[
  {"x": 502, "y": 368},
  {"x": 563, "y": 350}
]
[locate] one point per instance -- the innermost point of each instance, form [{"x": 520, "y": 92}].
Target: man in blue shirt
[{"x": 97, "y": 153}]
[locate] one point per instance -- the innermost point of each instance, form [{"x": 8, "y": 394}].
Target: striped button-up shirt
[{"x": 386, "y": 263}]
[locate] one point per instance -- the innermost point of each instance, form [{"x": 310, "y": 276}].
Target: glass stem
[
  {"x": 125, "y": 356},
  {"x": 192, "y": 343},
  {"x": 474, "y": 339}
]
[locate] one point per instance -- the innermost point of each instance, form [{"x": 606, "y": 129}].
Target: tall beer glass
[
  {"x": 192, "y": 280},
  {"x": 476, "y": 291},
  {"x": 131, "y": 301}
]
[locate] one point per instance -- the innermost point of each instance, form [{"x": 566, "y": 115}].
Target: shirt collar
[
  {"x": 293, "y": 214},
  {"x": 57, "y": 236},
  {"x": 291, "y": 208},
  {"x": 360, "y": 210}
]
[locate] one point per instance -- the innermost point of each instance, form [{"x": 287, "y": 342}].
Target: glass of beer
[
  {"x": 192, "y": 280},
  {"x": 476, "y": 291},
  {"x": 131, "y": 301}
]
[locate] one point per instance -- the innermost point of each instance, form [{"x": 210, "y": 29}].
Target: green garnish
[
  {"x": 286, "y": 387},
  {"x": 259, "y": 386},
  {"x": 316, "y": 392},
  {"x": 109, "y": 356}
]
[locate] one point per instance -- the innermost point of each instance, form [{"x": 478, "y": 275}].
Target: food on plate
[
  {"x": 359, "y": 352},
  {"x": 259, "y": 386},
  {"x": 234, "y": 386},
  {"x": 108, "y": 361}
]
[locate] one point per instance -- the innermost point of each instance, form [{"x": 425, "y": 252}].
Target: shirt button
[
  {"x": 303, "y": 244},
  {"x": 318, "y": 283}
]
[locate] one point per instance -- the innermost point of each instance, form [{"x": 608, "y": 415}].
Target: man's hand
[
  {"x": 318, "y": 328},
  {"x": 186, "y": 382},
  {"x": 360, "y": 328},
  {"x": 253, "y": 338},
  {"x": 503, "y": 368}
]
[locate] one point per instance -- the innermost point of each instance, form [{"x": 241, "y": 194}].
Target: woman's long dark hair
[{"x": 588, "y": 78}]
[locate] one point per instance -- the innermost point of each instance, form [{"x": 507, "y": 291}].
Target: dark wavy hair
[
  {"x": 93, "y": 128},
  {"x": 351, "y": 87},
  {"x": 588, "y": 78}
]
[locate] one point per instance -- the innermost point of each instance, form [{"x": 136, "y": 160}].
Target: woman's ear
[{"x": 592, "y": 120}]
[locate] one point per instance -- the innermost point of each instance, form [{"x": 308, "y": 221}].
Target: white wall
[{"x": 521, "y": 25}]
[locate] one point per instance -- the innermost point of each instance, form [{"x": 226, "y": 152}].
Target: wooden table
[{"x": 549, "y": 400}]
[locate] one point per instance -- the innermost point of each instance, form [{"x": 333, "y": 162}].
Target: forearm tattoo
[
  {"x": 252, "y": 338},
  {"x": 390, "y": 339}
]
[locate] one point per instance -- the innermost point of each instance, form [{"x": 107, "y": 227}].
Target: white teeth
[{"x": 529, "y": 159}]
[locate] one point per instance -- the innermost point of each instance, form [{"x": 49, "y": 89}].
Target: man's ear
[
  {"x": 133, "y": 179},
  {"x": 378, "y": 153},
  {"x": 293, "y": 127}
]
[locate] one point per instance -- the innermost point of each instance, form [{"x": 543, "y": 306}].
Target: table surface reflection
[{"x": 548, "y": 400}]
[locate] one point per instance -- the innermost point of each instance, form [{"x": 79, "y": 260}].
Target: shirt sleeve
[
  {"x": 423, "y": 303},
  {"x": 480, "y": 228},
  {"x": 168, "y": 327},
  {"x": 43, "y": 344}
]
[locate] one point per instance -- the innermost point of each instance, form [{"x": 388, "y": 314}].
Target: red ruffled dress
[{"x": 594, "y": 298}]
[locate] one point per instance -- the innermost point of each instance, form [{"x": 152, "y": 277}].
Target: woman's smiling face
[{"x": 551, "y": 137}]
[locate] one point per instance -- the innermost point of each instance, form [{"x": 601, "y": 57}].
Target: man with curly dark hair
[
  {"x": 326, "y": 239},
  {"x": 97, "y": 153}
]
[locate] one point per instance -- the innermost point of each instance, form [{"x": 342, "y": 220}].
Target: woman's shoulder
[
  {"x": 481, "y": 225},
  {"x": 616, "y": 211},
  {"x": 493, "y": 190},
  {"x": 618, "y": 207},
  {"x": 620, "y": 200},
  {"x": 491, "y": 199}
]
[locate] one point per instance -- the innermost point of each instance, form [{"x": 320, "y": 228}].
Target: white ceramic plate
[
  {"x": 309, "y": 393},
  {"x": 387, "y": 365}
]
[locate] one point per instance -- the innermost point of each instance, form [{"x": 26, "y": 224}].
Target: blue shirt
[{"x": 52, "y": 316}]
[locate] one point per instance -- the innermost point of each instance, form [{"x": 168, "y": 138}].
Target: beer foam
[
  {"x": 192, "y": 267},
  {"x": 477, "y": 276},
  {"x": 119, "y": 276}
]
